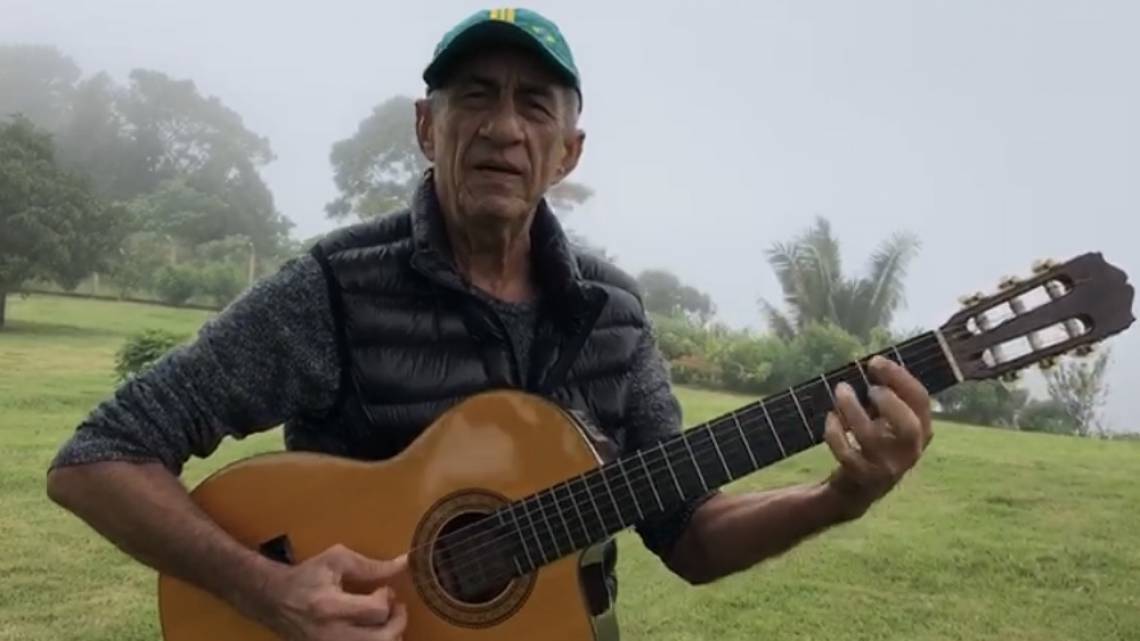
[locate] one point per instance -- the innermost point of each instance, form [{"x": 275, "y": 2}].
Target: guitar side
[{"x": 494, "y": 446}]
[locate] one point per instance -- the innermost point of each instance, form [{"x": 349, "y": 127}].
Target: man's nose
[{"x": 503, "y": 125}]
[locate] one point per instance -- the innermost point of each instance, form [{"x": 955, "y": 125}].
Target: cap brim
[{"x": 490, "y": 35}]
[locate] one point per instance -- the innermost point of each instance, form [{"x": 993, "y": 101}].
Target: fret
[
  {"x": 747, "y": 447},
  {"x": 708, "y": 455},
  {"x": 898, "y": 356},
  {"x": 938, "y": 370},
  {"x": 827, "y": 386},
  {"x": 609, "y": 490},
  {"x": 772, "y": 428},
  {"x": 574, "y": 502},
  {"x": 534, "y": 528},
  {"x": 550, "y": 525},
  {"x": 633, "y": 495},
  {"x": 720, "y": 455},
  {"x": 807, "y": 425},
  {"x": 696, "y": 464},
  {"x": 565, "y": 525},
  {"x": 652, "y": 483},
  {"x": 590, "y": 493},
  {"x": 522, "y": 539},
  {"x": 665, "y": 455},
  {"x": 863, "y": 373}
]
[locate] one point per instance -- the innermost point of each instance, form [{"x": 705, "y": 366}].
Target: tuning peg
[
  {"x": 971, "y": 299},
  {"x": 1044, "y": 265},
  {"x": 1084, "y": 350},
  {"x": 1047, "y": 363},
  {"x": 1011, "y": 377},
  {"x": 1009, "y": 282}
]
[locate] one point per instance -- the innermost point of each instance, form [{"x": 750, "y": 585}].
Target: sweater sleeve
[
  {"x": 267, "y": 357},
  {"x": 655, "y": 415}
]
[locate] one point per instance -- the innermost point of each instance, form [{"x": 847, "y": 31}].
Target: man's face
[{"x": 498, "y": 134}]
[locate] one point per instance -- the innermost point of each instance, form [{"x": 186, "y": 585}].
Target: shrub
[
  {"x": 818, "y": 348},
  {"x": 141, "y": 351},
  {"x": 221, "y": 282},
  {"x": 176, "y": 285},
  {"x": 983, "y": 403},
  {"x": 1047, "y": 416},
  {"x": 747, "y": 363},
  {"x": 694, "y": 370}
]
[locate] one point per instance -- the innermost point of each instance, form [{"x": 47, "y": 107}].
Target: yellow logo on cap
[{"x": 506, "y": 15}]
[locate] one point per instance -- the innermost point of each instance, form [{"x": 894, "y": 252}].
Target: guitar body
[{"x": 488, "y": 450}]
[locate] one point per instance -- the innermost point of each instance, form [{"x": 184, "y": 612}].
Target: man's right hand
[{"x": 310, "y": 602}]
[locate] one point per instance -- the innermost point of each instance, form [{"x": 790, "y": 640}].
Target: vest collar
[{"x": 556, "y": 267}]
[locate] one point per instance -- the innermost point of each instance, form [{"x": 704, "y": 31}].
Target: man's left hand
[{"x": 884, "y": 448}]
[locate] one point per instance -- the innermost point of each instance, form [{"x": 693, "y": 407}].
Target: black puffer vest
[{"x": 415, "y": 341}]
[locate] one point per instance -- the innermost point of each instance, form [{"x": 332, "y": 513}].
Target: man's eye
[{"x": 539, "y": 104}]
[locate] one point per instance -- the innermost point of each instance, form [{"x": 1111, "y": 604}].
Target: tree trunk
[{"x": 3, "y": 304}]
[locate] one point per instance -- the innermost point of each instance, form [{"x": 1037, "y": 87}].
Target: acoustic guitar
[{"x": 504, "y": 503}]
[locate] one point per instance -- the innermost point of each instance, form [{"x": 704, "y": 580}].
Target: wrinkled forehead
[{"x": 504, "y": 67}]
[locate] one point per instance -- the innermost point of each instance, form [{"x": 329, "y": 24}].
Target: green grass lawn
[{"x": 996, "y": 536}]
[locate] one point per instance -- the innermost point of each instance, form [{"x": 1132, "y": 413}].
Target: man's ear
[
  {"x": 572, "y": 146},
  {"x": 424, "y": 128}
]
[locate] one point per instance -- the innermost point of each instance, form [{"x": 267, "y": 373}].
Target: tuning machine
[
  {"x": 1047, "y": 363},
  {"x": 1009, "y": 282},
  {"x": 1084, "y": 350},
  {"x": 972, "y": 299},
  {"x": 1043, "y": 265},
  {"x": 1011, "y": 377}
]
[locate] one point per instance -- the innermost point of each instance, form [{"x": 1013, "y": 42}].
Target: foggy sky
[{"x": 999, "y": 132}]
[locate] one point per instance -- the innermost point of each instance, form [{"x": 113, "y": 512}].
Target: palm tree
[{"x": 811, "y": 277}]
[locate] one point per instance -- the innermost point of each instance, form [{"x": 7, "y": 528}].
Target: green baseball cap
[{"x": 520, "y": 27}]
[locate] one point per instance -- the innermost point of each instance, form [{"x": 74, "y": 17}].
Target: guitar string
[
  {"x": 707, "y": 453},
  {"x": 477, "y": 554},
  {"x": 575, "y": 497},
  {"x": 472, "y": 558},
  {"x": 924, "y": 357},
  {"x": 660, "y": 465}
]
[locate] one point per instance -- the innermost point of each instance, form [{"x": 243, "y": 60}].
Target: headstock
[{"x": 1061, "y": 308}]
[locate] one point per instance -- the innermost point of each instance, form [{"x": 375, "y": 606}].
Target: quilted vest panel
[{"x": 414, "y": 341}]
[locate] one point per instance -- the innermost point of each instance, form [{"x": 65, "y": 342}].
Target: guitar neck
[{"x": 588, "y": 509}]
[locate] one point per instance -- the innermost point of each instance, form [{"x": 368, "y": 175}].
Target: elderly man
[{"x": 359, "y": 345}]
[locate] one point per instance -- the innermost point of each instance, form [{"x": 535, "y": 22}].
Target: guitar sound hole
[{"x": 467, "y": 565}]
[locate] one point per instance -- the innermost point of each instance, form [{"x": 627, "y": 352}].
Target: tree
[
  {"x": 132, "y": 141},
  {"x": 1081, "y": 389},
  {"x": 204, "y": 146},
  {"x": 815, "y": 290},
  {"x": 138, "y": 262},
  {"x": 378, "y": 167},
  {"x": 97, "y": 140},
  {"x": 665, "y": 294},
  {"x": 176, "y": 209},
  {"x": 51, "y": 224},
  {"x": 37, "y": 83}
]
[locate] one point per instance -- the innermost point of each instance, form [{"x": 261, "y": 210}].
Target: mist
[{"x": 998, "y": 133}]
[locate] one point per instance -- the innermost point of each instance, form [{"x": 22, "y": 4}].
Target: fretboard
[{"x": 586, "y": 510}]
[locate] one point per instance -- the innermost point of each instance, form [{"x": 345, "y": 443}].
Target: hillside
[{"x": 997, "y": 536}]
